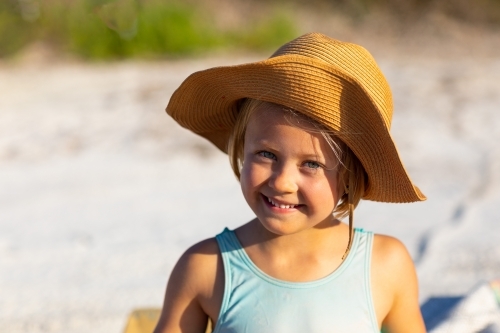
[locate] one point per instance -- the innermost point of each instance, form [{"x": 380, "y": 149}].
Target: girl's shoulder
[
  {"x": 391, "y": 261},
  {"x": 195, "y": 288},
  {"x": 202, "y": 250},
  {"x": 394, "y": 284},
  {"x": 389, "y": 250},
  {"x": 198, "y": 266}
]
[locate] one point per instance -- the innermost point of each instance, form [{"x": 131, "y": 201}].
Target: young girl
[{"x": 307, "y": 133}]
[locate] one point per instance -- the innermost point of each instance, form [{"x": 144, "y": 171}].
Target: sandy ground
[{"x": 100, "y": 191}]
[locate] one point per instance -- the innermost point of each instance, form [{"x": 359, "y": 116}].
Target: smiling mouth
[{"x": 280, "y": 205}]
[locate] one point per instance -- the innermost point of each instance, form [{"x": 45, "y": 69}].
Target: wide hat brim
[{"x": 207, "y": 104}]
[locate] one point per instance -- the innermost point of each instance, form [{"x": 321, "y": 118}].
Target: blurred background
[{"x": 100, "y": 191}]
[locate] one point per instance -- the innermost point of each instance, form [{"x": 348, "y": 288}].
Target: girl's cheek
[
  {"x": 245, "y": 172},
  {"x": 247, "y": 177},
  {"x": 328, "y": 189},
  {"x": 331, "y": 182}
]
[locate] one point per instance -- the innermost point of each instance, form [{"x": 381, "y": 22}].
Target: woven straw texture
[{"x": 338, "y": 84}]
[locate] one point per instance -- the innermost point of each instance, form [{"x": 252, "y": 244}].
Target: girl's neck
[{"x": 307, "y": 255}]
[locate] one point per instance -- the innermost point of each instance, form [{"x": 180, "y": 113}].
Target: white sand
[{"x": 100, "y": 191}]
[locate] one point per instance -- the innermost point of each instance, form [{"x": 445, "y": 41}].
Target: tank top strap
[
  {"x": 365, "y": 247},
  {"x": 230, "y": 250}
]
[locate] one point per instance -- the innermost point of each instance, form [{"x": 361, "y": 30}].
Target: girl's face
[{"x": 289, "y": 175}]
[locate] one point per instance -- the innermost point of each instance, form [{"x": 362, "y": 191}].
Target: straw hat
[{"x": 338, "y": 84}]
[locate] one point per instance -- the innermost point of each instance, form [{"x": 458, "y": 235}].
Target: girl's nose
[{"x": 284, "y": 179}]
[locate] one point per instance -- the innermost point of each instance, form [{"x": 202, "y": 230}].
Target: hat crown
[{"x": 353, "y": 60}]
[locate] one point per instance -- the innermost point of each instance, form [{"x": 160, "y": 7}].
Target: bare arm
[
  {"x": 395, "y": 280},
  {"x": 193, "y": 291}
]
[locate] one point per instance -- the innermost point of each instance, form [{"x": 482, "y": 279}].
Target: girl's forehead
[
  {"x": 273, "y": 121},
  {"x": 275, "y": 125},
  {"x": 269, "y": 115},
  {"x": 276, "y": 113},
  {"x": 264, "y": 106}
]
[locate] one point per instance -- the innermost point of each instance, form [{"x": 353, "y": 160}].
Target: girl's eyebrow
[
  {"x": 312, "y": 156},
  {"x": 263, "y": 142}
]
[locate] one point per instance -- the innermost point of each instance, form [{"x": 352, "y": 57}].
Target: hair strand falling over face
[{"x": 351, "y": 213}]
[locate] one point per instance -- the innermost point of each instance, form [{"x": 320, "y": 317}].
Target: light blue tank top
[{"x": 255, "y": 302}]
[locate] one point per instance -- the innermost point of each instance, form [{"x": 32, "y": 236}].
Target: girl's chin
[
  {"x": 281, "y": 227},
  {"x": 288, "y": 224}
]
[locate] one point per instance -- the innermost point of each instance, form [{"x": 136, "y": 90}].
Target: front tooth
[{"x": 282, "y": 206}]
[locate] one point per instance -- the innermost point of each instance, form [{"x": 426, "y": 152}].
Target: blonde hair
[{"x": 352, "y": 177}]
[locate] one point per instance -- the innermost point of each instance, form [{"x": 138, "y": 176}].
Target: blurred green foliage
[
  {"x": 114, "y": 29},
  {"x": 111, "y": 29}
]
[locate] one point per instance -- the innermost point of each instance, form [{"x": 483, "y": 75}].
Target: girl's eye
[
  {"x": 312, "y": 165},
  {"x": 267, "y": 154}
]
